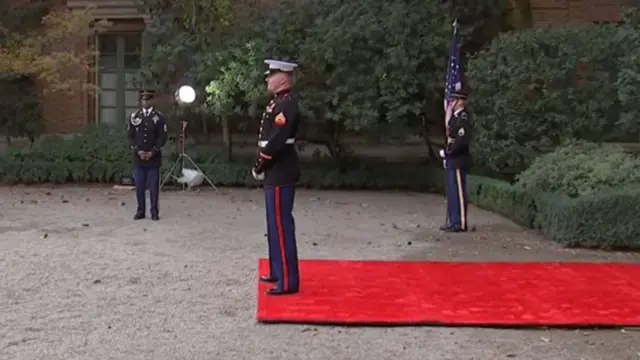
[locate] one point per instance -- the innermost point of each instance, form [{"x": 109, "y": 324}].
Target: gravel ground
[{"x": 81, "y": 280}]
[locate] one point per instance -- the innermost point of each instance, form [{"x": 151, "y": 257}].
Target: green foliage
[
  {"x": 19, "y": 108},
  {"x": 605, "y": 220},
  {"x": 374, "y": 67},
  {"x": 408, "y": 46},
  {"x": 235, "y": 90},
  {"x": 580, "y": 168},
  {"x": 97, "y": 154},
  {"x": 177, "y": 32},
  {"x": 629, "y": 75},
  {"x": 542, "y": 86}
]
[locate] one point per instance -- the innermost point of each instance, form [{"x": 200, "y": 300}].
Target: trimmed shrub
[
  {"x": 503, "y": 198},
  {"x": 542, "y": 85},
  {"x": 580, "y": 168},
  {"x": 605, "y": 219}
]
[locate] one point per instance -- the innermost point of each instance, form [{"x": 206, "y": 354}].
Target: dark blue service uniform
[
  {"x": 458, "y": 160},
  {"x": 147, "y": 131},
  {"x": 278, "y": 161}
]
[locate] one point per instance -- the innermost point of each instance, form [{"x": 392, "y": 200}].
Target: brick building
[{"x": 120, "y": 50}]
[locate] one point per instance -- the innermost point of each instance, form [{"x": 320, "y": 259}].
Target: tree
[
  {"x": 540, "y": 87},
  {"x": 33, "y": 39},
  {"x": 629, "y": 75},
  {"x": 179, "y": 33},
  {"x": 38, "y": 49},
  {"x": 236, "y": 91},
  {"x": 374, "y": 67}
]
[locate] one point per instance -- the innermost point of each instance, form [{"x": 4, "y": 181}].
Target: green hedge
[
  {"x": 602, "y": 220},
  {"x": 605, "y": 220},
  {"x": 321, "y": 175}
]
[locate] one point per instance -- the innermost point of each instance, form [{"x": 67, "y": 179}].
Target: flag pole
[{"x": 455, "y": 26}]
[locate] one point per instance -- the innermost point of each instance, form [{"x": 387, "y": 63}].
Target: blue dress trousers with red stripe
[{"x": 278, "y": 161}]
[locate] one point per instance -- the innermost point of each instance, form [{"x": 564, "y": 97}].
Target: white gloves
[
  {"x": 258, "y": 177},
  {"x": 444, "y": 158}
]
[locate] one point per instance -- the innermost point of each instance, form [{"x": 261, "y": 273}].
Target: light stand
[{"x": 185, "y": 95}]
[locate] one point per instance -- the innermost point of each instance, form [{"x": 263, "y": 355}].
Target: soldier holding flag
[{"x": 456, "y": 155}]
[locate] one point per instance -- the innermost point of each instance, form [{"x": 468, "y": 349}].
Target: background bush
[
  {"x": 543, "y": 86},
  {"x": 580, "y": 168},
  {"x": 604, "y": 219}
]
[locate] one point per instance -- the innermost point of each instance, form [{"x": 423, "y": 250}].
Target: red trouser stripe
[{"x": 283, "y": 255}]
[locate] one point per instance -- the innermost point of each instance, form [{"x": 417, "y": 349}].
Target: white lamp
[{"x": 185, "y": 94}]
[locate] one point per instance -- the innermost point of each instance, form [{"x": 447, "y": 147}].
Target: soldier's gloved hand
[
  {"x": 444, "y": 163},
  {"x": 257, "y": 176},
  {"x": 141, "y": 154},
  {"x": 442, "y": 153}
]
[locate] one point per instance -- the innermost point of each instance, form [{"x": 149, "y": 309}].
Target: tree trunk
[
  {"x": 433, "y": 155},
  {"x": 226, "y": 137},
  {"x": 205, "y": 128},
  {"x": 522, "y": 14}
]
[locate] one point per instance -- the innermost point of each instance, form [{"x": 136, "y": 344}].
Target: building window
[{"x": 118, "y": 72}]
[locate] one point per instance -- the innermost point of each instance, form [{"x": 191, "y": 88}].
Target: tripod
[{"x": 183, "y": 157}]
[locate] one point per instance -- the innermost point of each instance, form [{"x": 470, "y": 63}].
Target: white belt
[{"x": 264, "y": 143}]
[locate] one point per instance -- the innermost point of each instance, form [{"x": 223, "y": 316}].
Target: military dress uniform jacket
[
  {"x": 147, "y": 133},
  {"x": 458, "y": 139},
  {"x": 277, "y": 153}
]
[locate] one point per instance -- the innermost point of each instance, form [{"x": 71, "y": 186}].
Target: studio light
[{"x": 186, "y": 94}]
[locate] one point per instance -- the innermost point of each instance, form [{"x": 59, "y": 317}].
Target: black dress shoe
[
  {"x": 269, "y": 279},
  {"x": 445, "y": 227},
  {"x": 138, "y": 216},
  {"x": 276, "y": 291},
  {"x": 155, "y": 217},
  {"x": 454, "y": 230}
]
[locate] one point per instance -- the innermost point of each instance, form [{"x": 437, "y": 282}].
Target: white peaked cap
[{"x": 281, "y": 65}]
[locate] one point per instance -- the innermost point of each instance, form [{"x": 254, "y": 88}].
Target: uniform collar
[
  {"x": 282, "y": 93},
  {"x": 455, "y": 113},
  {"x": 147, "y": 111}
]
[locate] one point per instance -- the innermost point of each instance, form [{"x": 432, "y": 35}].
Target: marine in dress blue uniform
[
  {"x": 147, "y": 134},
  {"x": 457, "y": 159},
  {"x": 278, "y": 167}
]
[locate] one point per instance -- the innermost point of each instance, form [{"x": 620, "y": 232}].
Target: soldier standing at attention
[
  {"x": 147, "y": 134},
  {"x": 457, "y": 160},
  {"x": 278, "y": 168}
]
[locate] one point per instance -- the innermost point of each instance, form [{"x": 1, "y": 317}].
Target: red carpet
[{"x": 462, "y": 293}]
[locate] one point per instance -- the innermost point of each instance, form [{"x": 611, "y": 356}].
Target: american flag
[{"x": 453, "y": 73}]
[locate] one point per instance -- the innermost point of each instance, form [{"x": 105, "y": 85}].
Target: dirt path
[{"x": 81, "y": 281}]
